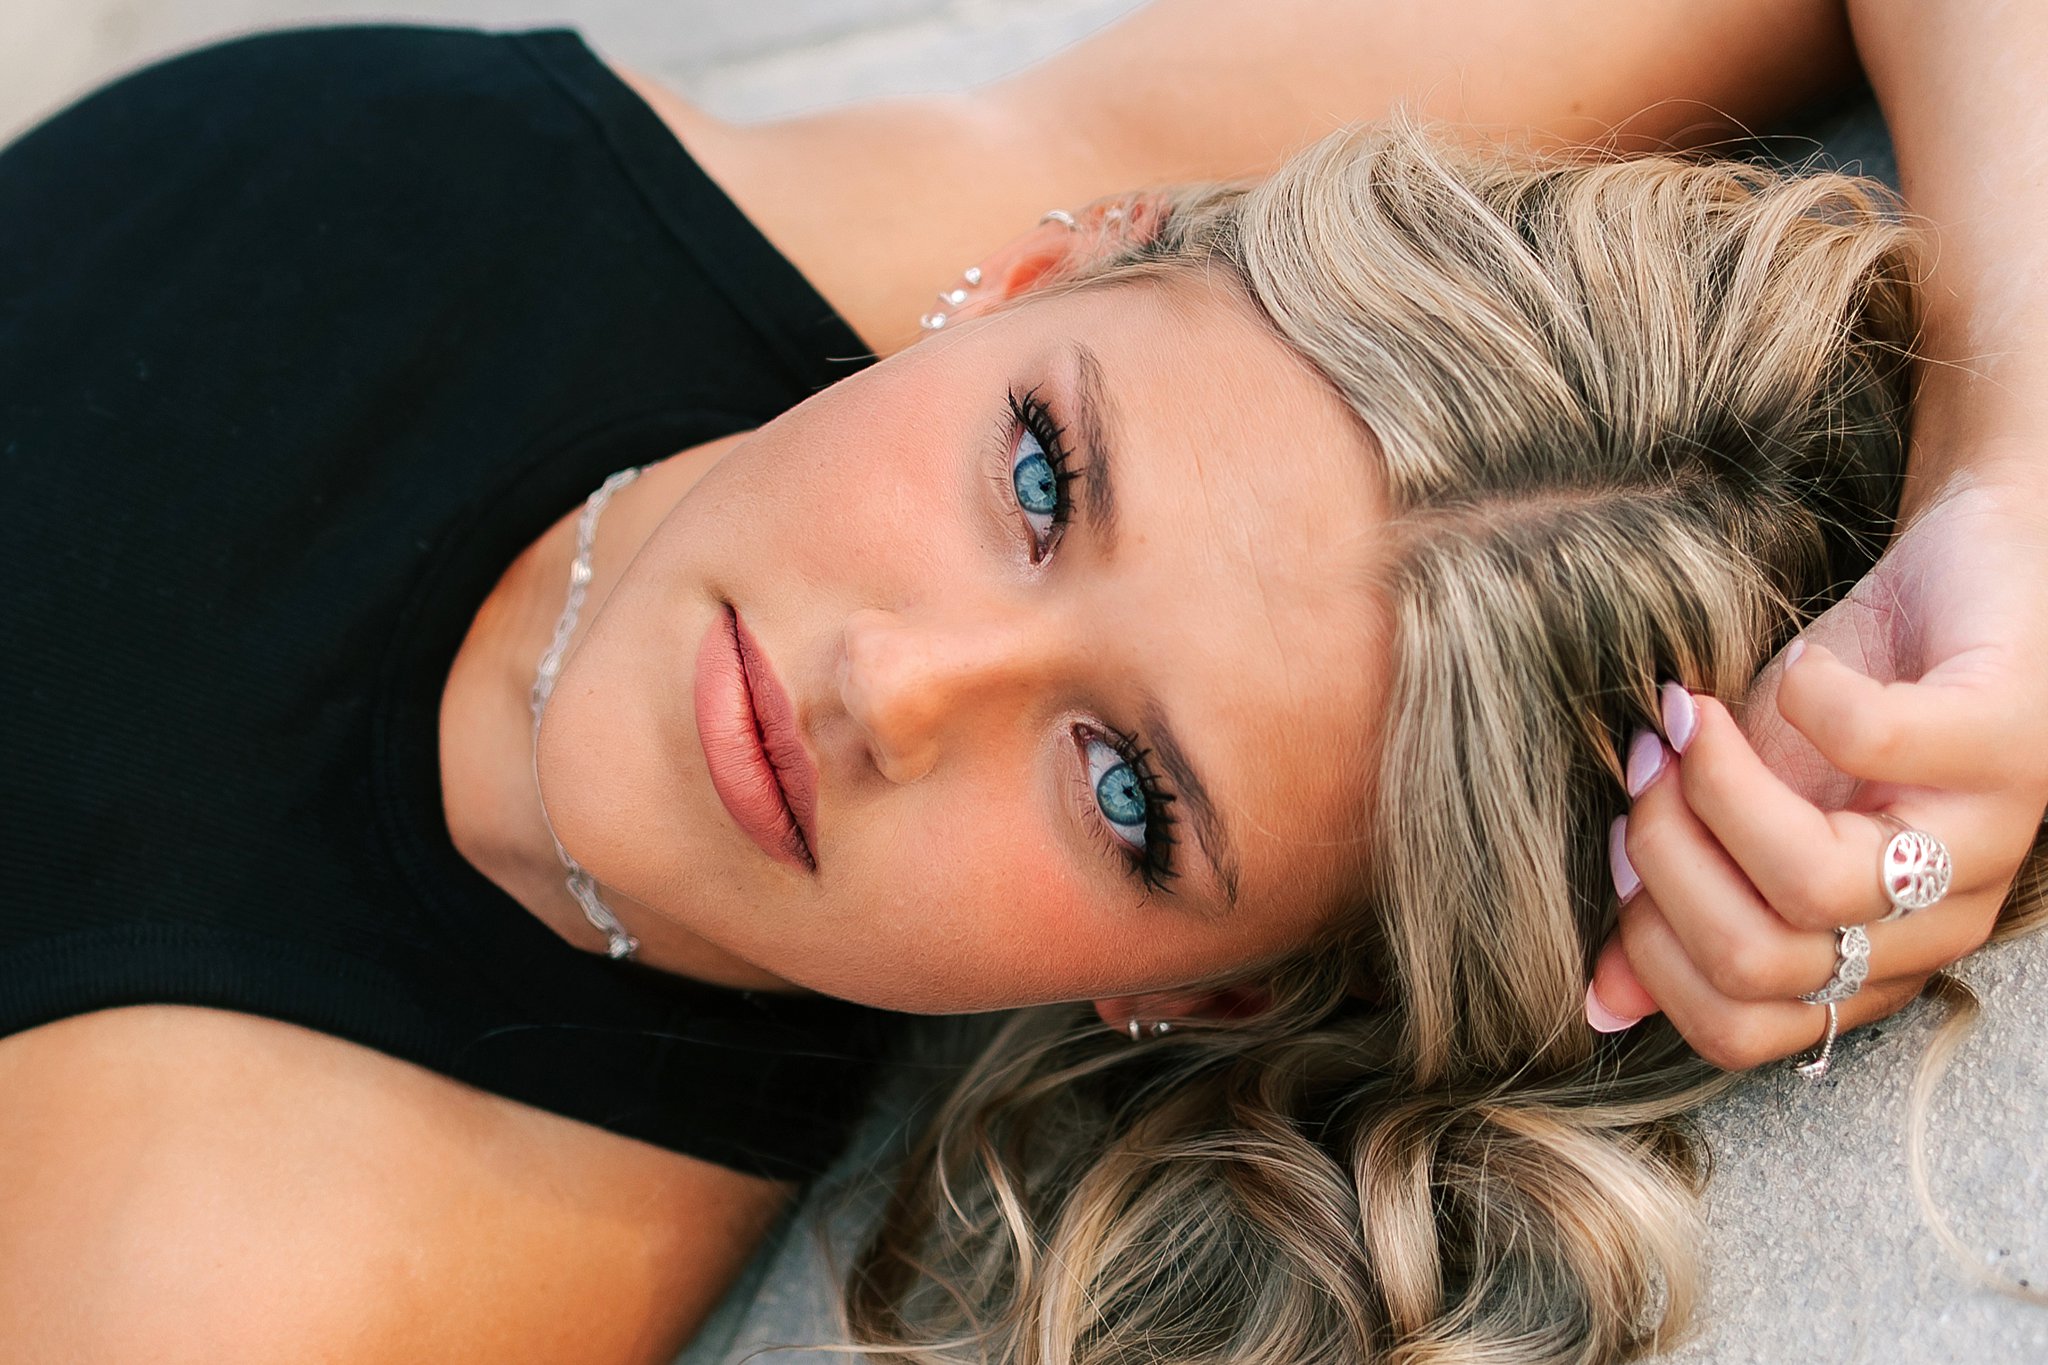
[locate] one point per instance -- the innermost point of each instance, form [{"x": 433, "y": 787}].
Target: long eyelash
[
  {"x": 1035, "y": 415},
  {"x": 1155, "y": 868}
]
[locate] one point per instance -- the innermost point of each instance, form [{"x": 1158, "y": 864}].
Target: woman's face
[{"x": 1070, "y": 608}]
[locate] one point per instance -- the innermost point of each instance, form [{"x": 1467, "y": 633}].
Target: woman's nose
[{"x": 910, "y": 680}]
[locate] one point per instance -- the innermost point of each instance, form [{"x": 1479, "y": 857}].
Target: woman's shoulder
[
  {"x": 291, "y": 94},
  {"x": 341, "y": 1167}
]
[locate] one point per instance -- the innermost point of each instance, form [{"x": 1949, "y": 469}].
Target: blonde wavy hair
[{"x": 1639, "y": 418}]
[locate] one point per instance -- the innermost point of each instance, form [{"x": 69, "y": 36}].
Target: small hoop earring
[
  {"x": 1060, "y": 216},
  {"x": 1158, "y": 1028},
  {"x": 932, "y": 322}
]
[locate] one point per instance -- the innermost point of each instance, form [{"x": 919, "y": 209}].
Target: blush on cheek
[{"x": 1049, "y": 916}]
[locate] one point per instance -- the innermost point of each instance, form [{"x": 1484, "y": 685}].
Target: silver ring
[
  {"x": 1816, "y": 1066},
  {"x": 1852, "y": 965},
  {"x": 1060, "y": 216},
  {"x": 1915, "y": 867}
]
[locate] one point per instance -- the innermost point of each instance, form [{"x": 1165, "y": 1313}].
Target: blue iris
[
  {"x": 1121, "y": 796},
  {"x": 1038, "y": 491}
]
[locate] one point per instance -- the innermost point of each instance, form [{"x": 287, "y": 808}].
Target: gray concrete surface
[
  {"x": 1817, "y": 1250},
  {"x": 742, "y": 59}
]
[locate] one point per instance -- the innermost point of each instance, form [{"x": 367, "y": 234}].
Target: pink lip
[{"x": 748, "y": 729}]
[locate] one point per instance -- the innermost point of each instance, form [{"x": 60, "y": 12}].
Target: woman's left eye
[{"x": 1119, "y": 793}]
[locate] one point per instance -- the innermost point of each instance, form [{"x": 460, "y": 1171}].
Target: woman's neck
[{"x": 488, "y": 793}]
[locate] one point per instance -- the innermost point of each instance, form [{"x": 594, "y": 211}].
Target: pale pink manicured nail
[
  {"x": 1603, "y": 1019},
  {"x": 1645, "y": 761},
  {"x": 1626, "y": 882},
  {"x": 1794, "y": 650},
  {"x": 1681, "y": 716}
]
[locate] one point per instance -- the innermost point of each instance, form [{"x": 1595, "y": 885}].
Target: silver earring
[
  {"x": 1158, "y": 1029},
  {"x": 952, "y": 298},
  {"x": 1059, "y": 216}
]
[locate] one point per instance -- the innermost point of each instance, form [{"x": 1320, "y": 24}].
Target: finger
[
  {"x": 1736, "y": 1035},
  {"x": 1616, "y": 999},
  {"x": 1742, "y": 944},
  {"x": 1730, "y": 934},
  {"x": 1818, "y": 869},
  {"x": 1963, "y": 735}
]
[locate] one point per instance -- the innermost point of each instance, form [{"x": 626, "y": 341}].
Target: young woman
[{"x": 452, "y": 907}]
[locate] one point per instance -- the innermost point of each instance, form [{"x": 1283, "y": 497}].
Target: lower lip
[{"x": 740, "y": 772}]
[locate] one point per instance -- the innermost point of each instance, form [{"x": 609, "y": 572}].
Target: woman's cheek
[{"x": 1005, "y": 856}]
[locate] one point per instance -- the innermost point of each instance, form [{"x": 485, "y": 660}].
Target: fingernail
[
  {"x": 1793, "y": 651},
  {"x": 1681, "y": 716},
  {"x": 1626, "y": 882},
  {"x": 1603, "y": 1019},
  {"x": 1645, "y": 760}
]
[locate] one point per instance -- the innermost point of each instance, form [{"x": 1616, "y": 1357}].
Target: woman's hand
[{"x": 1748, "y": 843}]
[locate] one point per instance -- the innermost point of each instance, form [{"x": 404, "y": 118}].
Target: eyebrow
[
  {"x": 1094, "y": 417},
  {"x": 1210, "y": 835}
]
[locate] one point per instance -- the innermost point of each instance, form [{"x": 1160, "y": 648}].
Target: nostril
[
  {"x": 901, "y": 769},
  {"x": 877, "y": 694}
]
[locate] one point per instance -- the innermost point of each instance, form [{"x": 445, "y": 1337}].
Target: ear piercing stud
[{"x": 952, "y": 298}]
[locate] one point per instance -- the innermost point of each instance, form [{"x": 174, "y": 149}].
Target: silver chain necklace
[{"x": 581, "y": 884}]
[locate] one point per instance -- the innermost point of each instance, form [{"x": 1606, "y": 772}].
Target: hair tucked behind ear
[{"x": 1635, "y": 416}]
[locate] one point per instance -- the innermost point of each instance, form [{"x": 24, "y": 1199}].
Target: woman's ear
[
  {"x": 1242, "y": 1001},
  {"x": 1060, "y": 245}
]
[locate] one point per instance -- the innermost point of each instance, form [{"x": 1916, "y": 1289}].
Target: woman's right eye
[
  {"x": 1039, "y": 480},
  {"x": 1036, "y": 485}
]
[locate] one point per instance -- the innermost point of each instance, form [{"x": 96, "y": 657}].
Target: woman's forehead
[
  {"x": 1187, "y": 384},
  {"x": 1247, "y": 503}
]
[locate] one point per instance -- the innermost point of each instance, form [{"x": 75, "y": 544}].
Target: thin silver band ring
[
  {"x": 1816, "y": 1066},
  {"x": 1852, "y": 966}
]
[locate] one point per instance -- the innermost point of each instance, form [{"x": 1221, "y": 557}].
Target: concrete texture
[
  {"x": 741, "y": 59},
  {"x": 1817, "y": 1250}
]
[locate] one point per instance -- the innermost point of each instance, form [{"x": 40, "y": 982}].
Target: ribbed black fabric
[{"x": 303, "y": 337}]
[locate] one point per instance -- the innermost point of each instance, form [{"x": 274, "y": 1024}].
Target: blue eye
[
  {"x": 1119, "y": 792},
  {"x": 1038, "y": 487},
  {"x": 1038, "y": 471}
]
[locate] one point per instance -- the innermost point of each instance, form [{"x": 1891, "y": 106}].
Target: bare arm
[
  {"x": 1957, "y": 610},
  {"x": 880, "y": 203},
  {"x": 184, "y": 1184},
  {"x": 1960, "y": 86}
]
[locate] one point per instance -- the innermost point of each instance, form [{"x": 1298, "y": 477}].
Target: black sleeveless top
[{"x": 304, "y": 336}]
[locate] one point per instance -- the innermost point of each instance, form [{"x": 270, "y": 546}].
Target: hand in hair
[{"x": 1929, "y": 707}]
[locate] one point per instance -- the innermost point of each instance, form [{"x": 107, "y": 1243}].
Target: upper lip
[{"x": 781, "y": 741}]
